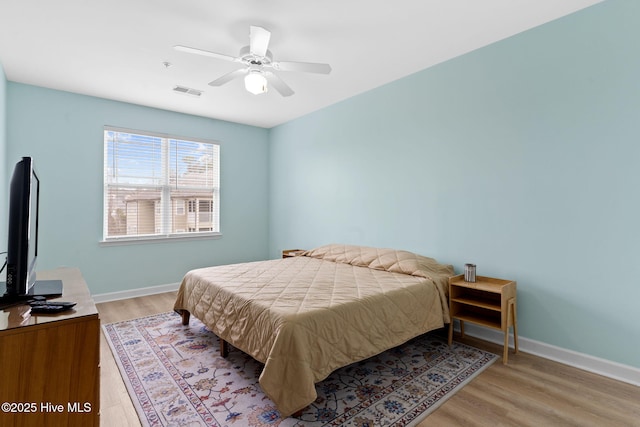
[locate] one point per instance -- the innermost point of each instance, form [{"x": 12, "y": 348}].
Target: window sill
[{"x": 159, "y": 239}]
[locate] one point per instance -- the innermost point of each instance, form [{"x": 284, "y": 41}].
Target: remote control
[
  {"x": 60, "y": 303},
  {"x": 44, "y": 307}
]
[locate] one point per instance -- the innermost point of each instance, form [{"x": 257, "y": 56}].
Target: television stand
[{"x": 52, "y": 361}]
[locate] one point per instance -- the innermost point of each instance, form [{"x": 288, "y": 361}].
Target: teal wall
[
  {"x": 522, "y": 157},
  {"x": 4, "y": 197},
  {"x": 64, "y": 134}
]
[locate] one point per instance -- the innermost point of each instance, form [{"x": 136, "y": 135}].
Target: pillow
[
  {"x": 345, "y": 254},
  {"x": 409, "y": 263},
  {"x": 381, "y": 259}
]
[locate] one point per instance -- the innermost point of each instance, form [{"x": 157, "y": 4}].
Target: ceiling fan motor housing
[{"x": 248, "y": 58}]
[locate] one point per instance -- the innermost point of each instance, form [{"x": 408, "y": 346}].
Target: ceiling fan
[{"x": 259, "y": 64}]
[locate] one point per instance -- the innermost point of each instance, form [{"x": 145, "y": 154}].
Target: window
[
  {"x": 179, "y": 207},
  {"x": 150, "y": 178}
]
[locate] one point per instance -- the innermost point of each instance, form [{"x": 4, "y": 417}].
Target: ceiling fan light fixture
[{"x": 255, "y": 82}]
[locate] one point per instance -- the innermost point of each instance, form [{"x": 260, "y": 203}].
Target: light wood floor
[{"x": 529, "y": 391}]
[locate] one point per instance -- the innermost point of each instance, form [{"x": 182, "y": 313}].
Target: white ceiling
[{"x": 115, "y": 49}]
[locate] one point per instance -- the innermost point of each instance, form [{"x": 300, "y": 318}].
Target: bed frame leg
[
  {"x": 185, "y": 317},
  {"x": 224, "y": 348},
  {"x": 298, "y": 413}
]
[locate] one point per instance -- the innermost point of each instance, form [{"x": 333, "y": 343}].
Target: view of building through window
[{"x": 157, "y": 185}]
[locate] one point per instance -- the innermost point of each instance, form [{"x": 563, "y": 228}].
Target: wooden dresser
[{"x": 50, "y": 364}]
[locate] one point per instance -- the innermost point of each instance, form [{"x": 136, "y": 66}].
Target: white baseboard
[
  {"x": 133, "y": 293},
  {"x": 607, "y": 368}
]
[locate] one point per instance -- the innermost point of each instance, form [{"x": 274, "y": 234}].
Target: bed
[{"x": 304, "y": 317}]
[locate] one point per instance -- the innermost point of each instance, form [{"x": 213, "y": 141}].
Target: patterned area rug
[{"x": 175, "y": 377}]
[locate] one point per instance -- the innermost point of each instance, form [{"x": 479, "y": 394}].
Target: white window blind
[{"x": 150, "y": 178}]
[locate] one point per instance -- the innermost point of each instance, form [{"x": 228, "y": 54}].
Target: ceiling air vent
[{"x": 187, "y": 90}]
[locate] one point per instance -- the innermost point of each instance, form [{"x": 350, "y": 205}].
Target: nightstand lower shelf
[{"x": 488, "y": 302}]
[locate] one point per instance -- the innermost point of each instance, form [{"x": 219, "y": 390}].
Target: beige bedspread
[{"x": 306, "y": 316}]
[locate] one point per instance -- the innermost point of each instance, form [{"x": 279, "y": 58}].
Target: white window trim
[
  {"x": 121, "y": 241},
  {"x": 158, "y": 238}
]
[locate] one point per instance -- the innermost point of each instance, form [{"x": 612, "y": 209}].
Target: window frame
[{"x": 165, "y": 190}]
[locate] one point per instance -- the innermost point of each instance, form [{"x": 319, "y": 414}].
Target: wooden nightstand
[
  {"x": 292, "y": 252},
  {"x": 488, "y": 302}
]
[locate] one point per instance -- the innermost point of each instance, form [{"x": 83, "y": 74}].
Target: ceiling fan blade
[
  {"x": 229, "y": 76},
  {"x": 279, "y": 85},
  {"x": 205, "y": 53},
  {"x": 259, "y": 40},
  {"x": 307, "y": 67}
]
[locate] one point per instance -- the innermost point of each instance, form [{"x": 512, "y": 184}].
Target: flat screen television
[{"x": 22, "y": 247}]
